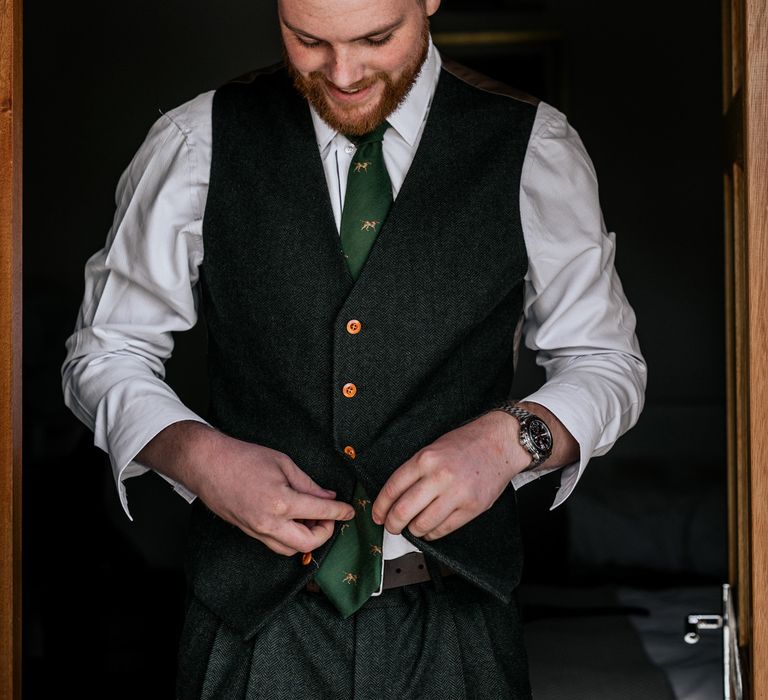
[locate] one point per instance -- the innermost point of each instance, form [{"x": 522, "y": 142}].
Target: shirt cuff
[
  {"x": 580, "y": 419},
  {"x": 124, "y": 445}
]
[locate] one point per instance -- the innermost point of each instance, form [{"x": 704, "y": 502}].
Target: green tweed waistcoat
[{"x": 438, "y": 300}]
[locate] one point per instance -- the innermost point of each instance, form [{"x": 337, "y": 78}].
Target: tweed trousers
[{"x": 442, "y": 640}]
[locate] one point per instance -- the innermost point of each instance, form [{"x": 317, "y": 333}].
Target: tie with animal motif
[
  {"x": 351, "y": 570},
  {"x": 367, "y": 199}
]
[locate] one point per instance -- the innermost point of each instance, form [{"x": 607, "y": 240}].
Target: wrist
[
  {"x": 506, "y": 431},
  {"x": 181, "y": 451},
  {"x": 533, "y": 435}
]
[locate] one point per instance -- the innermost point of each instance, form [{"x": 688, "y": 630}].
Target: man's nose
[{"x": 345, "y": 68}]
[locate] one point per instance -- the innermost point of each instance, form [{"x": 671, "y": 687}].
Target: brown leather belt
[{"x": 403, "y": 571}]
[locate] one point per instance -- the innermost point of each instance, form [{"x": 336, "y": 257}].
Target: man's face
[{"x": 355, "y": 60}]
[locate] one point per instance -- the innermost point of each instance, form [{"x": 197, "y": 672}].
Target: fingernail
[{"x": 329, "y": 492}]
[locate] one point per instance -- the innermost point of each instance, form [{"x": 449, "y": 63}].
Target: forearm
[
  {"x": 179, "y": 450},
  {"x": 596, "y": 399},
  {"x": 122, "y": 401}
]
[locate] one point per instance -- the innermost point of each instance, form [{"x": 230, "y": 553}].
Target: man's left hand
[{"x": 450, "y": 482}]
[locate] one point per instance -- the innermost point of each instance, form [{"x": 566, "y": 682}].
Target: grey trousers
[{"x": 420, "y": 642}]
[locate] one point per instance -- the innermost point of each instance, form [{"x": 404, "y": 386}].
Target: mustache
[{"x": 317, "y": 76}]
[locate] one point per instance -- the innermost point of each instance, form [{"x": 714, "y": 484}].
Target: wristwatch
[{"x": 535, "y": 436}]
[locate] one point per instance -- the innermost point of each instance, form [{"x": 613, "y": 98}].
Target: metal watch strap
[{"x": 522, "y": 415}]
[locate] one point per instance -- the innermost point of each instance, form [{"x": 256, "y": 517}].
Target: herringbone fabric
[
  {"x": 438, "y": 298},
  {"x": 410, "y": 643}
]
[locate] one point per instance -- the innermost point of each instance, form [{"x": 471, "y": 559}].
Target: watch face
[{"x": 540, "y": 435}]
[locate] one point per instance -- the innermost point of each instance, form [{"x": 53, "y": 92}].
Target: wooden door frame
[
  {"x": 745, "y": 105},
  {"x": 756, "y": 183},
  {"x": 747, "y": 339},
  {"x": 10, "y": 348}
]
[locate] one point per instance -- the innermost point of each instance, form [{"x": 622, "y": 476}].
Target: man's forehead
[{"x": 343, "y": 17}]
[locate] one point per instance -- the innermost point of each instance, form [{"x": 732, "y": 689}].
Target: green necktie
[
  {"x": 351, "y": 570},
  {"x": 367, "y": 200}
]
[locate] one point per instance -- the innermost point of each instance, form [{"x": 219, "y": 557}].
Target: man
[{"x": 359, "y": 365}]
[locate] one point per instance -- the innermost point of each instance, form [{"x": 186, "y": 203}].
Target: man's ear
[{"x": 430, "y": 7}]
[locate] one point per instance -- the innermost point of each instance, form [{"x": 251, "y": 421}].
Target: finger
[
  {"x": 453, "y": 522},
  {"x": 401, "y": 479},
  {"x": 302, "y": 506},
  {"x": 432, "y": 517},
  {"x": 416, "y": 499},
  {"x": 301, "y": 481},
  {"x": 300, "y": 538},
  {"x": 322, "y": 528},
  {"x": 288, "y": 540}
]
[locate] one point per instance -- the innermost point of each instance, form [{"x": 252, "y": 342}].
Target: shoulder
[
  {"x": 556, "y": 146},
  {"x": 173, "y": 157},
  {"x": 190, "y": 119}
]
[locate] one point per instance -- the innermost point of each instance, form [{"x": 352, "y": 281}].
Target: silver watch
[{"x": 535, "y": 435}]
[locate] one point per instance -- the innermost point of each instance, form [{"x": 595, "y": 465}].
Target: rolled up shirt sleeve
[
  {"x": 576, "y": 316},
  {"x": 139, "y": 289}
]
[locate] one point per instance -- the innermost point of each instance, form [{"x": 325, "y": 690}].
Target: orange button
[
  {"x": 350, "y": 452},
  {"x": 349, "y": 390},
  {"x": 306, "y": 558},
  {"x": 354, "y": 326}
]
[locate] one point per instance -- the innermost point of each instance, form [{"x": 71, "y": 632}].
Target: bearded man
[{"x": 370, "y": 230}]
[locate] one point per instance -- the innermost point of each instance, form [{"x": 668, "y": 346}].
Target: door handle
[{"x": 726, "y": 620}]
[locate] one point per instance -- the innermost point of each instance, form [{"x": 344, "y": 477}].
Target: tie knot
[{"x": 372, "y": 136}]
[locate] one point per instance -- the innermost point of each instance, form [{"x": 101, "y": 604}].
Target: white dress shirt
[{"x": 142, "y": 285}]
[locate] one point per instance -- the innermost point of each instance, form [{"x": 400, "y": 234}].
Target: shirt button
[
  {"x": 349, "y": 149},
  {"x": 350, "y": 452},
  {"x": 354, "y": 326},
  {"x": 349, "y": 390}
]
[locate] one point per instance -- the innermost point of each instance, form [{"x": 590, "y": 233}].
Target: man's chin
[
  {"x": 358, "y": 121},
  {"x": 354, "y": 121}
]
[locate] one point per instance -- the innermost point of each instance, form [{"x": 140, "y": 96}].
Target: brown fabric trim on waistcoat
[
  {"x": 483, "y": 82},
  {"x": 251, "y": 75}
]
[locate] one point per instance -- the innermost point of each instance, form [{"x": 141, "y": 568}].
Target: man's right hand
[{"x": 258, "y": 489}]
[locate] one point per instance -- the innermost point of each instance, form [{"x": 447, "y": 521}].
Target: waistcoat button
[
  {"x": 354, "y": 326},
  {"x": 350, "y": 452},
  {"x": 349, "y": 390}
]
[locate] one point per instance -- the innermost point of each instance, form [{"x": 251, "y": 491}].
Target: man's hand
[
  {"x": 461, "y": 474},
  {"x": 258, "y": 489},
  {"x": 450, "y": 482}
]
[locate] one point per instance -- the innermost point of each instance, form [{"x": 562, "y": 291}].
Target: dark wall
[{"x": 103, "y": 596}]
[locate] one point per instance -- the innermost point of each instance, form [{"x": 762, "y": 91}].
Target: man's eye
[
  {"x": 308, "y": 43},
  {"x": 379, "y": 41}
]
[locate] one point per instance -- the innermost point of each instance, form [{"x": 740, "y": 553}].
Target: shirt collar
[{"x": 409, "y": 116}]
